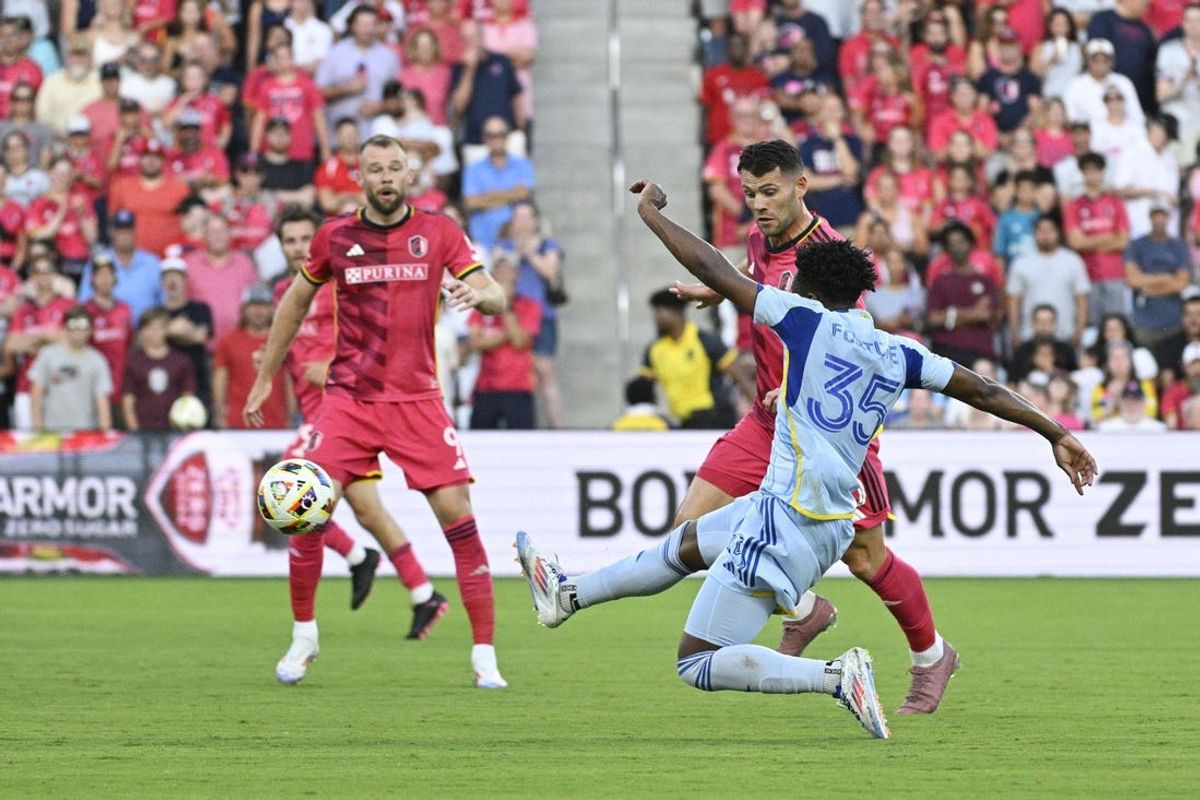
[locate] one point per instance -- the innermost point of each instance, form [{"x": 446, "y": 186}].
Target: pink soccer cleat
[
  {"x": 929, "y": 683},
  {"x": 798, "y": 634}
]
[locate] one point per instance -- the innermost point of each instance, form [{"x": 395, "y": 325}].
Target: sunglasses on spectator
[
  {"x": 494, "y": 134},
  {"x": 79, "y": 325},
  {"x": 22, "y": 98},
  {"x": 1108, "y": 98}
]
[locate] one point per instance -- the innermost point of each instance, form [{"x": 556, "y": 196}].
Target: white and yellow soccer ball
[
  {"x": 187, "y": 413},
  {"x": 295, "y": 496}
]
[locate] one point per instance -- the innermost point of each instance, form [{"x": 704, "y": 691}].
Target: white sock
[
  {"x": 483, "y": 658},
  {"x": 808, "y": 601},
  {"x": 927, "y": 658},
  {"x": 357, "y": 555},
  {"x": 649, "y": 572},
  {"x": 422, "y": 593},
  {"x": 754, "y": 668},
  {"x": 305, "y": 630}
]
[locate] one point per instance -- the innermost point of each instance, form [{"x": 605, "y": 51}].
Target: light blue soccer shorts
[{"x": 774, "y": 555}]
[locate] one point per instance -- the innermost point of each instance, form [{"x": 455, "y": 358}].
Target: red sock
[
  {"x": 407, "y": 567},
  {"x": 337, "y": 539},
  {"x": 474, "y": 577},
  {"x": 305, "y": 555},
  {"x": 900, "y": 588}
]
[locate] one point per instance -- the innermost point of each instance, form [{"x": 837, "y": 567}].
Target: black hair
[
  {"x": 78, "y": 312},
  {"x": 1073, "y": 31},
  {"x": 1169, "y": 123},
  {"x": 1026, "y": 176},
  {"x": 1044, "y": 307},
  {"x": 761, "y": 157},
  {"x": 345, "y": 121},
  {"x": 836, "y": 272},
  {"x": 153, "y": 315},
  {"x": 294, "y": 212},
  {"x": 640, "y": 390},
  {"x": 358, "y": 12},
  {"x": 1053, "y": 219},
  {"x": 393, "y": 88},
  {"x": 953, "y": 226},
  {"x": 418, "y": 97},
  {"x": 1092, "y": 159},
  {"x": 665, "y": 298},
  {"x": 287, "y": 32}
]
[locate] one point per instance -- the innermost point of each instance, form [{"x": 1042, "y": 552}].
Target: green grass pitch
[{"x": 165, "y": 688}]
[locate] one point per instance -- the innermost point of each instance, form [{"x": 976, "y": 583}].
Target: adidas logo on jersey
[{"x": 356, "y": 250}]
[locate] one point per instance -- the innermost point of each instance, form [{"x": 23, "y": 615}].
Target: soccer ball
[
  {"x": 187, "y": 413},
  {"x": 295, "y": 496}
]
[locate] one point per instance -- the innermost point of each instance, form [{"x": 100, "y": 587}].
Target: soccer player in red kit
[
  {"x": 307, "y": 362},
  {"x": 774, "y": 185},
  {"x": 389, "y": 265}
]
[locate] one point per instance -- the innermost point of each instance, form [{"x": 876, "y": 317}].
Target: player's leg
[
  {"x": 428, "y": 605},
  {"x": 305, "y": 557},
  {"x": 452, "y": 507}
]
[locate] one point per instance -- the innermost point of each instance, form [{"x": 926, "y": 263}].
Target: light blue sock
[
  {"x": 649, "y": 572},
  {"x": 753, "y": 668}
]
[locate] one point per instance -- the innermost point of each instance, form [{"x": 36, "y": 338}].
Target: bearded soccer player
[
  {"x": 308, "y": 361},
  {"x": 388, "y": 263},
  {"x": 774, "y": 185}
]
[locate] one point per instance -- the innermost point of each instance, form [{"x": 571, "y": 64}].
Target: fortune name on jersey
[{"x": 850, "y": 337}]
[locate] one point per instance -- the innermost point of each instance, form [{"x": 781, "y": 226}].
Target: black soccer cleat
[
  {"x": 362, "y": 578},
  {"x": 426, "y": 615}
]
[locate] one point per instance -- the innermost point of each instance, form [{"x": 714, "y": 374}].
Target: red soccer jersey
[
  {"x": 295, "y": 101},
  {"x": 979, "y": 125},
  {"x": 250, "y": 221},
  {"x": 10, "y": 284},
  {"x": 315, "y": 341},
  {"x": 721, "y": 166},
  {"x": 12, "y": 225},
  {"x": 32, "y": 318},
  {"x": 507, "y": 368},
  {"x": 207, "y": 162},
  {"x": 339, "y": 176},
  {"x": 854, "y": 57},
  {"x": 389, "y": 284},
  {"x": 23, "y": 70},
  {"x": 972, "y": 212},
  {"x": 776, "y": 267},
  {"x": 235, "y": 352},
  {"x": 931, "y": 80},
  {"x": 129, "y": 159},
  {"x": 722, "y": 85},
  {"x": 915, "y": 187},
  {"x": 88, "y": 164},
  {"x": 69, "y": 241},
  {"x": 1105, "y": 214},
  {"x": 882, "y": 111},
  {"x": 150, "y": 12},
  {"x": 213, "y": 113},
  {"x": 112, "y": 331}
]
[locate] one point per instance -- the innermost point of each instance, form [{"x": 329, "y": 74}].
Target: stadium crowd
[
  {"x": 1025, "y": 173},
  {"x": 149, "y": 146}
]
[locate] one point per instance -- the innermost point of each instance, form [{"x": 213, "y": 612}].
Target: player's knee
[
  {"x": 689, "y": 548},
  {"x": 696, "y": 670}
]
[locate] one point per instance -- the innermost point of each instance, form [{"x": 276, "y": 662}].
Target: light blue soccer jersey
[{"x": 840, "y": 377}]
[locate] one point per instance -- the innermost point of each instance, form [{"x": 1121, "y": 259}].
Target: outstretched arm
[
  {"x": 987, "y": 395},
  {"x": 698, "y": 256},
  {"x": 289, "y": 314}
]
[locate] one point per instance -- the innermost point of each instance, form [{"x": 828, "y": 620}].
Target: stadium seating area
[{"x": 941, "y": 134}]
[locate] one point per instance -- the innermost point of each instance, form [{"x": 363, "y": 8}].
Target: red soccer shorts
[
  {"x": 738, "y": 461},
  {"x": 418, "y": 436}
]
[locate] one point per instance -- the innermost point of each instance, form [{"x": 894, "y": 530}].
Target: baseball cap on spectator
[
  {"x": 42, "y": 262},
  {"x": 123, "y": 218},
  {"x": 78, "y": 123},
  {"x": 1159, "y": 208},
  {"x": 257, "y": 294},
  {"x": 189, "y": 118},
  {"x": 128, "y": 105},
  {"x": 249, "y": 162},
  {"x": 1191, "y": 353},
  {"x": 110, "y": 70},
  {"x": 151, "y": 147},
  {"x": 1099, "y": 47},
  {"x": 173, "y": 262},
  {"x": 1133, "y": 391},
  {"x": 1079, "y": 125},
  {"x": 277, "y": 122},
  {"x": 1007, "y": 36}
]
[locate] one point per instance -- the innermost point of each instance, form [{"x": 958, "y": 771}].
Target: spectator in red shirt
[
  {"x": 155, "y": 376},
  {"x": 725, "y": 83},
  {"x": 963, "y": 115},
  {"x": 964, "y": 204},
  {"x": 195, "y": 97},
  {"x": 234, "y": 367},
  {"x": 65, "y": 216},
  {"x": 905, "y": 227},
  {"x": 854, "y": 58},
  {"x": 15, "y": 66},
  {"x": 339, "y": 187},
  {"x": 730, "y": 219},
  {"x": 36, "y": 322},
  {"x": 112, "y": 324},
  {"x": 425, "y": 71},
  {"x": 13, "y": 241},
  {"x": 915, "y": 179},
  {"x": 90, "y": 174},
  {"x": 1098, "y": 229},
  {"x": 980, "y": 259},
  {"x": 289, "y": 92},
  {"x": 154, "y": 197},
  {"x": 151, "y": 17},
  {"x": 204, "y": 168},
  {"x": 964, "y": 306},
  {"x": 884, "y": 100},
  {"x": 935, "y": 62},
  {"x": 105, "y": 112},
  {"x": 130, "y": 139},
  {"x": 218, "y": 275},
  {"x": 249, "y": 211},
  {"x": 1183, "y": 391},
  {"x": 504, "y": 388},
  {"x": 440, "y": 18}
]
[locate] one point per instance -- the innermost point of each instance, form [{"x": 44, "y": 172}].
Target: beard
[{"x": 386, "y": 205}]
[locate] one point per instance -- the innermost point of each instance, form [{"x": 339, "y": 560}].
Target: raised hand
[{"x": 650, "y": 193}]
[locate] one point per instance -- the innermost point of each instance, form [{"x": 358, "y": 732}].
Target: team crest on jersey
[{"x": 418, "y": 246}]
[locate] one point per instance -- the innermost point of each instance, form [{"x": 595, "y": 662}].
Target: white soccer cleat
[
  {"x": 546, "y": 582},
  {"x": 856, "y": 692},
  {"x": 292, "y": 667},
  {"x": 487, "y": 673}
]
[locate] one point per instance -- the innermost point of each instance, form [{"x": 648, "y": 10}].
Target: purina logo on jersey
[
  {"x": 384, "y": 273},
  {"x": 418, "y": 246}
]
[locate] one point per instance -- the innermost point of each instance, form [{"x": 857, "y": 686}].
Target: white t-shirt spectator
[
  {"x": 1084, "y": 99},
  {"x": 311, "y": 41},
  {"x": 445, "y": 162},
  {"x": 1143, "y": 425},
  {"x": 1112, "y": 141},
  {"x": 1172, "y": 64},
  {"x": 380, "y": 65},
  {"x": 1055, "y": 279},
  {"x": 152, "y": 93},
  {"x": 39, "y": 17},
  {"x": 1140, "y": 167}
]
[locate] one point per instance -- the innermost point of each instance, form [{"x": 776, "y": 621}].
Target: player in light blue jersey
[{"x": 840, "y": 377}]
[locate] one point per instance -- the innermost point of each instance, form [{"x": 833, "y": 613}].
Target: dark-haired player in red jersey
[
  {"x": 307, "y": 362},
  {"x": 389, "y": 264},
  {"x": 774, "y": 184}
]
